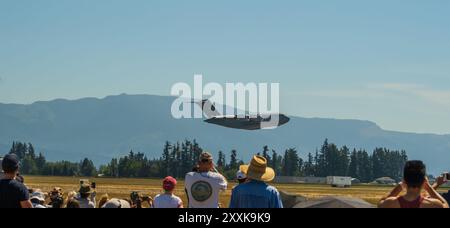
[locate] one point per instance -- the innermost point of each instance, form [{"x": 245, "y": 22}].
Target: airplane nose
[{"x": 285, "y": 119}]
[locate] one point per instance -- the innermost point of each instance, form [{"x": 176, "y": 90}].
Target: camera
[{"x": 137, "y": 199}]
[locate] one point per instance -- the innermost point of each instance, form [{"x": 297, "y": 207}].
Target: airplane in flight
[{"x": 247, "y": 122}]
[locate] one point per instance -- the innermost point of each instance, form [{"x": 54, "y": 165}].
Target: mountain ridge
[{"x": 102, "y": 128}]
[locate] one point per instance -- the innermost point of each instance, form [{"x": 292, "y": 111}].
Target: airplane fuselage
[{"x": 248, "y": 122}]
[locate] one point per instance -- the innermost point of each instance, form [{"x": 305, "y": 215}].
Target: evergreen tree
[
  {"x": 87, "y": 168},
  {"x": 233, "y": 160},
  {"x": 266, "y": 155},
  {"x": 353, "y": 167},
  {"x": 221, "y": 163},
  {"x": 166, "y": 159}
]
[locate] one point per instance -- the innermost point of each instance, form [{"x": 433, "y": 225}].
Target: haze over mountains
[{"x": 104, "y": 128}]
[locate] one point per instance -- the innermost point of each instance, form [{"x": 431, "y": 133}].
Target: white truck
[{"x": 339, "y": 182}]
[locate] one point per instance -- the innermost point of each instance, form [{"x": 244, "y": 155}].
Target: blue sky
[{"x": 384, "y": 61}]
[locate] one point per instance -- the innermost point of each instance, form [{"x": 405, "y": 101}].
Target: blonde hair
[
  {"x": 103, "y": 200},
  {"x": 71, "y": 195}
]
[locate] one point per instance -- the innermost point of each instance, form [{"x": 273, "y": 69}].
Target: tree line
[
  {"x": 36, "y": 164},
  {"x": 179, "y": 158}
]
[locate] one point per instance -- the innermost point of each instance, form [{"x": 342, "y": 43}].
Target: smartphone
[
  {"x": 447, "y": 176},
  {"x": 135, "y": 197}
]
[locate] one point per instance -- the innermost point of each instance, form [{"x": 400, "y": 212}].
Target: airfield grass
[{"x": 122, "y": 187}]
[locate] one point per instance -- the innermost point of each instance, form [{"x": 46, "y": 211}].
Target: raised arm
[
  {"x": 434, "y": 194},
  {"x": 439, "y": 182},
  {"x": 388, "y": 201}
]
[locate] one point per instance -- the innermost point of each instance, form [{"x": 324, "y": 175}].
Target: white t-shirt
[
  {"x": 167, "y": 201},
  {"x": 203, "y": 189}
]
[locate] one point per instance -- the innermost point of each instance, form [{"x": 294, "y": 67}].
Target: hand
[{"x": 440, "y": 181}]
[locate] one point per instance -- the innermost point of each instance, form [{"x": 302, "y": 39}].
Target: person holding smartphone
[
  {"x": 441, "y": 180},
  {"x": 415, "y": 181}
]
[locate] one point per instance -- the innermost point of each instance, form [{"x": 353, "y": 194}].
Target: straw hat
[
  {"x": 258, "y": 170},
  {"x": 85, "y": 189}
]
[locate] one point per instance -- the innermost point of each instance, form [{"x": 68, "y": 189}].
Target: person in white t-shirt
[
  {"x": 203, "y": 187},
  {"x": 168, "y": 199}
]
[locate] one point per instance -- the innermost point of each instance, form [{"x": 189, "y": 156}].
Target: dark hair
[
  {"x": 10, "y": 163},
  {"x": 241, "y": 181},
  {"x": 10, "y": 170},
  {"x": 414, "y": 174}
]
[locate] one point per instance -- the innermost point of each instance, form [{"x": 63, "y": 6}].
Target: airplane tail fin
[{"x": 209, "y": 109}]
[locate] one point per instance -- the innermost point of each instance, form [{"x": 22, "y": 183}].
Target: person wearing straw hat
[
  {"x": 87, "y": 196},
  {"x": 256, "y": 193}
]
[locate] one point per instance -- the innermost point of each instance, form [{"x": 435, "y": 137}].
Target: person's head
[
  {"x": 73, "y": 203},
  {"x": 71, "y": 195},
  {"x": 85, "y": 191},
  {"x": 258, "y": 170},
  {"x": 116, "y": 204},
  {"x": 38, "y": 197},
  {"x": 205, "y": 163},
  {"x": 10, "y": 164},
  {"x": 56, "y": 197},
  {"x": 241, "y": 177},
  {"x": 103, "y": 200},
  {"x": 414, "y": 175},
  {"x": 169, "y": 184}
]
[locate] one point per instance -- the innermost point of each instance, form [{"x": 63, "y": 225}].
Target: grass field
[{"x": 121, "y": 188}]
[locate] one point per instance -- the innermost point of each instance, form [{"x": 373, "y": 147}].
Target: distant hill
[{"x": 104, "y": 128}]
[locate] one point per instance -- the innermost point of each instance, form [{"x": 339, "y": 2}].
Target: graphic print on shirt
[{"x": 201, "y": 191}]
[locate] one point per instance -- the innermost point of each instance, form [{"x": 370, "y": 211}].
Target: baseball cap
[
  {"x": 206, "y": 156},
  {"x": 38, "y": 195},
  {"x": 241, "y": 176},
  {"x": 169, "y": 183},
  {"x": 10, "y": 162}
]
